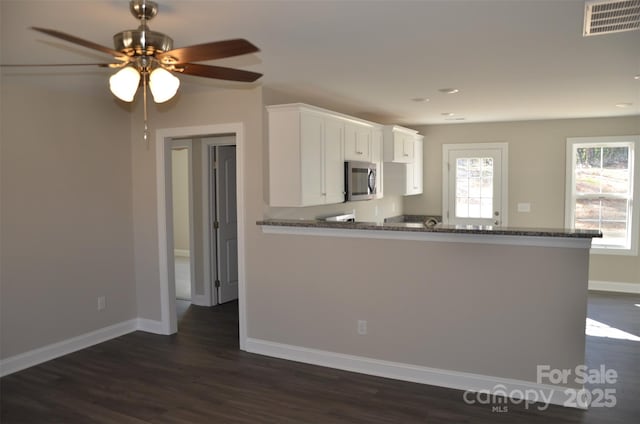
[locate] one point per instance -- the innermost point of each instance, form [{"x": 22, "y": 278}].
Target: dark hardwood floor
[{"x": 200, "y": 376}]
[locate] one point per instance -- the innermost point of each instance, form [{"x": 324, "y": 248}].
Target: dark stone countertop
[{"x": 440, "y": 228}]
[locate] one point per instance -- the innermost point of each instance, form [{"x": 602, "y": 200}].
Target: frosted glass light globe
[
  {"x": 163, "y": 85},
  {"x": 124, "y": 83}
]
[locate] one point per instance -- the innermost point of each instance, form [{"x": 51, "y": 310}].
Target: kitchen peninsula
[{"x": 471, "y": 308}]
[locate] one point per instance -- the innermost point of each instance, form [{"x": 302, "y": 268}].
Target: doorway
[
  {"x": 182, "y": 208},
  {"x": 217, "y": 195},
  {"x": 474, "y": 189},
  {"x": 204, "y": 135}
]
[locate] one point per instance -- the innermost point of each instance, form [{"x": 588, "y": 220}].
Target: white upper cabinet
[
  {"x": 306, "y": 159},
  {"x": 357, "y": 141},
  {"x": 403, "y": 150},
  {"x": 308, "y": 147},
  {"x": 399, "y": 144}
]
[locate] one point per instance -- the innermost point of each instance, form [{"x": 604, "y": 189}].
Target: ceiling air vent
[{"x": 607, "y": 16}]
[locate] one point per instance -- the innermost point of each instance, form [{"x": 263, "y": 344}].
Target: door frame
[
  {"x": 171, "y": 145},
  {"x": 206, "y": 144},
  {"x": 504, "y": 174},
  {"x": 168, "y": 319}
]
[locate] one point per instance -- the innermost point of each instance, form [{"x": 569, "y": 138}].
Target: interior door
[
  {"x": 475, "y": 186},
  {"x": 227, "y": 223}
]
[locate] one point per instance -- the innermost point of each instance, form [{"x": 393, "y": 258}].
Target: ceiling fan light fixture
[
  {"x": 124, "y": 83},
  {"x": 163, "y": 85},
  {"x": 149, "y": 56}
]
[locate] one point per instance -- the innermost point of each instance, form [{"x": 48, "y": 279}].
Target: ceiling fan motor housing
[{"x": 142, "y": 42}]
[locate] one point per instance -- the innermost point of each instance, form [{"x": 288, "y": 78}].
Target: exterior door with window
[{"x": 474, "y": 191}]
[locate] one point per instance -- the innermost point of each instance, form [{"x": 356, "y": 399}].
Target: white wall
[
  {"x": 536, "y": 174},
  {"x": 180, "y": 191},
  {"x": 66, "y": 221},
  {"x": 454, "y": 306}
]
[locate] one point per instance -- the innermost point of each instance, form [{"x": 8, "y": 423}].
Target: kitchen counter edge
[{"x": 447, "y": 229}]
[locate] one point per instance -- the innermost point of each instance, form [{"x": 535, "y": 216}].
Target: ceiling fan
[{"x": 146, "y": 57}]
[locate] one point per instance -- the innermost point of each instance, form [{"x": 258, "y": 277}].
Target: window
[
  {"x": 601, "y": 174},
  {"x": 474, "y": 187}
]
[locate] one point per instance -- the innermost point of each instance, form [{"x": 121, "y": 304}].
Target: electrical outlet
[
  {"x": 362, "y": 327},
  {"x": 102, "y": 303}
]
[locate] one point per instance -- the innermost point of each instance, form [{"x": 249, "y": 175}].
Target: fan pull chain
[{"x": 145, "y": 135}]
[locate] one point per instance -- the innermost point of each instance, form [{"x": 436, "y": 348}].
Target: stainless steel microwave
[{"x": 360, "y": 180}]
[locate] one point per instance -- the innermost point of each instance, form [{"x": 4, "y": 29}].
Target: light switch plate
[{"x": 524, "y": 207}]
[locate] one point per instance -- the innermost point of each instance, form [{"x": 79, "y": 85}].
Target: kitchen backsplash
[{"x": 367, "y": 210}]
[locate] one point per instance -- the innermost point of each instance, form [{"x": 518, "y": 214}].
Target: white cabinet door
[
  {"x": 376, "y": 157},
  {"x": 311, "y": 156},
  {"x": 403, "y": 148},
  {"x": 414, "y": 169},
  {"x": 322, "y": 156},
  {"x": 357, "y": 142},
  {"x": 398, "y": 144},
  {"x": 333, "y": 146}
]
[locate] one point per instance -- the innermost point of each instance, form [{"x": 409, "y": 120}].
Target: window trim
[{"x": 570, "y": 196}]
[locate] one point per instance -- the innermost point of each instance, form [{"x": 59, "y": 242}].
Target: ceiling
[{"x": 510, "y": 59}]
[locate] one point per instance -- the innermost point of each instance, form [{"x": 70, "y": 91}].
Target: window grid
[
  {"x": 603, "y": 187},
  {"x": 474, "y": 187}
]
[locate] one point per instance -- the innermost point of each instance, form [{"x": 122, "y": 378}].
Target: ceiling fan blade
[
  {"x": 218, "y": 72},
  {"x": 89, "y": 44},
  {"x": 208, "y": 51}
]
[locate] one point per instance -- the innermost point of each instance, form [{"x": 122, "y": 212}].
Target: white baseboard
[
  {"x": 55, "y": 350},
  {"x": 613, "y": 286},
  {"x": 181, "y": 252},
  {"x": 150, "y": 326},
  {"x": 200, "y": 300},
  {"x": 46, "y": 353},
  {"x": 515, "y": 389}
]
